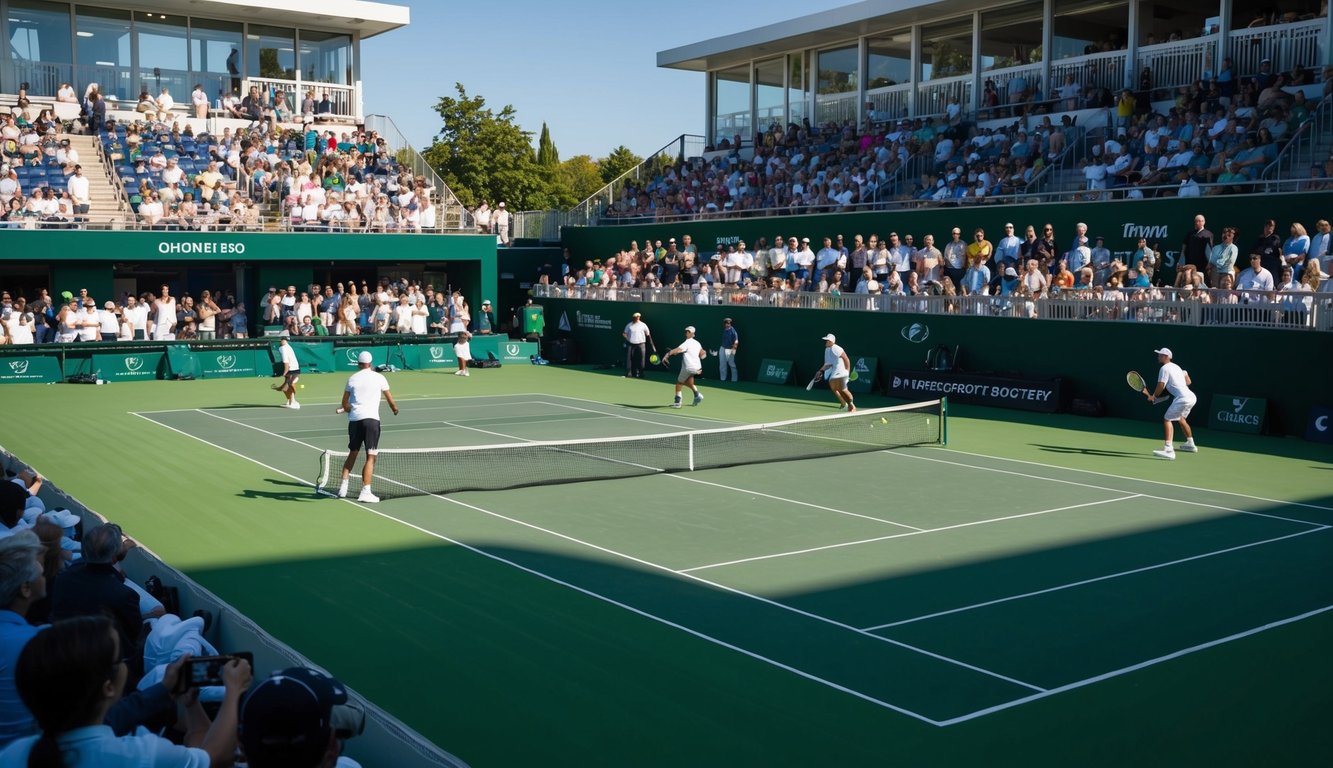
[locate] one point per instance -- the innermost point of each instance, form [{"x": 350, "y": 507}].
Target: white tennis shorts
[{"x": 1178, "y": 409}]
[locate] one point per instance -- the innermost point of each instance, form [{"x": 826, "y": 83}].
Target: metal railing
[
  {"x": 835, "y": 108},
  {"x": 343, "y": 98},
  {"x": 889, "y": 103},
  {"x": 452, "y": 215},
  {"x": 1284, "y": 44},
  {"x": 1257, "y": 309},
  {"x": 1177, "y": 63},
  {"x": 933, "y": 97},
  {"x": 683, "y": 147},
  {"x": 1097, "y": 70}
]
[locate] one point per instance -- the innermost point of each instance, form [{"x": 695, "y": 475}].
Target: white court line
[
  {"x": 790, "y": 501},
  {"x": 474, "y": 429},
  {"x": 1094, "y": 580},
  {"x": 692, "y": 577},
  {"x": 917, "y": 532},
  {"x": 455, "y": 402},
  {"x": 1104, "y": 488},
  {"x": 680, "y": 415},
  {"x": 674, "y": 425},
  {"x": 582, "y": 590},
  {"x": 1140, "y": 480},
  {"x": 1134, "y": 667},
  {"x": 250, "y": 426}
]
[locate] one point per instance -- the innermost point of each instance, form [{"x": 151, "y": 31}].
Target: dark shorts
[
  {"x": 365, "y": 432},
  {"x": 292, "y": 377}
]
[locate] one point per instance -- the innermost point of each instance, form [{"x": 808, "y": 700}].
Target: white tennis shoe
[
  {"x": 1189, "y": 447},
  {"x": 1167, "y": 453},
  {"x": 367, "y": 496}
]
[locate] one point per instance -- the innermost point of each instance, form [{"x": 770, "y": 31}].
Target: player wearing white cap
[
  {"x": 836, "y": 370},
  {"x": 1172, "y": 378},
  {"x": 691, "y": 364},
  {"x": 361, "y": 403},
  {"x": 291, "y": 373}
]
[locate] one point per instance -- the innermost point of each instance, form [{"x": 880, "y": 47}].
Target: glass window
[
  {"x": 1083, "y": 28},
  {"x": 39, "y": 47},
  {"x": 215, "y": 56},
  {"x": 837, "y": 71},
  {"x": 326, "y": 57},
  {"x": 946, "y": 49},
  {"x": 770, "y": 93},
  {"x": 889, "y": 60},
  {"x": 164, "y": 54},
  {"x": 104, "y": 51},
  {"x": 798, "y": 88},
  {"x": 731, "y": 103},
  {"x": 1010, "y": 37},
  {"x": 270, "y": 52}
]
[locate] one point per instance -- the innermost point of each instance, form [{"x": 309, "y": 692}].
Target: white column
[
  {"x": 1047, "y": 43},
  {"x": 1132, "y": 48},
  {"x": 862, "y": 70},
  {"x": 976, "y": 66},
  {"x": 1224, "y": 37},
  {"x": 916, "y": 71}
]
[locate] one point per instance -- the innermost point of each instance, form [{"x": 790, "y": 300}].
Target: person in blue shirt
[
  {"x": 22, "y": 583},
  {"x": 726, "y": 351}
]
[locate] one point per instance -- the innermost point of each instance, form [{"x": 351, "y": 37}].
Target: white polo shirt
[
  {"x": 1174, "y": 377},
  {"x": 365, "y": 388}
]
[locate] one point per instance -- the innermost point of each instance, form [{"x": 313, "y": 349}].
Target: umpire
[{"x": 637, "y": 339}]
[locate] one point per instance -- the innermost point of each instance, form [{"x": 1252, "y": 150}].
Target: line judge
[{"x": 361, "y": 403}]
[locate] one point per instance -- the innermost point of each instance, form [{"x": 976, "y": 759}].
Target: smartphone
[{"x": 207, "y": 670}]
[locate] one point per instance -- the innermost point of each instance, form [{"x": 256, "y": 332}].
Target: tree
[
  {"x": 484, "y": 155},
  {"x": 547, "y": 155},
  {"x": 582, "y": 177},
  {"x": 616, "y": 163}
]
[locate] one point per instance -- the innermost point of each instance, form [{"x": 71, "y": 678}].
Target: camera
[{"x": 207, "y": 670}]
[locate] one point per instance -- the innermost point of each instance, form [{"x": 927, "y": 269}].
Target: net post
[
  {"x": 944, "y": 420},
  {"x": 323, "y": 476}
]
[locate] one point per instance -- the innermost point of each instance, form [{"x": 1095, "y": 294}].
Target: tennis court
[
  {"x": 942, "y": 585},
  {"x": 1027, "y": 595}
]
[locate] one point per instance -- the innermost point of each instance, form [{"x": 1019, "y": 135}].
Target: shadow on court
[
  {"x": 295, "y": 492},
  {"x": 1092, "y": 451}
]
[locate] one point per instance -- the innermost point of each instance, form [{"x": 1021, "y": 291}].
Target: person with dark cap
[
  {"x": 297, "y": 719},
  {"x": 637, "y": 340}
]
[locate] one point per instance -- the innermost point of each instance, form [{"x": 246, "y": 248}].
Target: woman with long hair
[{"x": 71, "y": 673}]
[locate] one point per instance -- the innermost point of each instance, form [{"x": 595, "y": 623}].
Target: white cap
[
  {"x": 830, "y": 337},
  {"x": 1164, "y": 351},
  {"x": 689, "y": 328},
  {"x": 364, "y": 358}
]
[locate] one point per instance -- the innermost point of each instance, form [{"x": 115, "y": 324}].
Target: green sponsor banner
[
  {"x": 33, "y": 369},
  {"x": 774, "y": 371},
  {"x": 233, "y": 363},
  {"x": 136, "y": 366},
  {"x": 504, "y": 349},
  {"x": 314, "y": 357},
  {"x": 864, "y": 370},
  {"x": 432, "y": 356},
  {"x": 182, "y": 362},
  {"x": 517, "y": 351},
  {"x": 1235, "y": 413},
  {"x": 345, "y": 358}
]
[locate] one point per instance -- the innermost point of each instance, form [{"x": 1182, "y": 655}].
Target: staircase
[{"x": 106, "y": 201}]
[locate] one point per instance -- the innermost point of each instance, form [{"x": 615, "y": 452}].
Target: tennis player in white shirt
[
  {"x": 1172, "y": 378},
  {"x": 836, "y": 370},
  {"x": 361, "y": 403},
  {"x": 691, "y": 364}
]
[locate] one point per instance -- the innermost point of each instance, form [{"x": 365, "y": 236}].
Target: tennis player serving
[
  {"x": 1172, "y": 378},
  {"x": 361, "y": 403},
  {"x": 836, "y": 370},
  {"x": 691, "y": 356}
]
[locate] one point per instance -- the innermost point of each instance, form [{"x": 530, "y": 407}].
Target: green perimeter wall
[
  {"x": 1290, "y": 368},
  {"x": 1164, "y": 221},
  {"x": 82, "y": 259}
]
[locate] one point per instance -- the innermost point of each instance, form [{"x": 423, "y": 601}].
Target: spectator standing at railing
[
  {"x": 1222, "y": 258},
  {"x": 1296, "y": 249},
  {"x": 1321, "y": 245},
  {"x": 1006, "y": 249},
  {"x": 501, "y": 222},
  {"x": 1197, "y": 245},
  {"x": 1256, "y": 280},
  {"x": 956, "y": 262},
  {"x": 1269, "y": 247}
]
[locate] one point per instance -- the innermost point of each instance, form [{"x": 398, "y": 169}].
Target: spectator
[
  {"x": 71, "y": 674},
  {"x": 93, "y": 586},
  {"x": 22, "y": 583},
  {"x": 297, "y": 719}
]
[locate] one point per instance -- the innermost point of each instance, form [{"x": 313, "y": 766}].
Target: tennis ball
[
  {"x": 302, "y": 386},
  {"x": 883, "y": 420}
]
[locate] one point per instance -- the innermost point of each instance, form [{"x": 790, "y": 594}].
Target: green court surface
[{"x": 1040, "y": 592}]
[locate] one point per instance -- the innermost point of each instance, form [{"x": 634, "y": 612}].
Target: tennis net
[{"x": 429, "y": 471}]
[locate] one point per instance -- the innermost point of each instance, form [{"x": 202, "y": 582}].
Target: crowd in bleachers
[
  {"x": 96, "y": 669},
  {"x": 392, "y": 306},
  {"x": 1032, "y": 266},
  {"x": 1214, "y": 137}
]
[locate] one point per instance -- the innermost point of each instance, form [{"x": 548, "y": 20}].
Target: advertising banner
[
  {"x": 1319, "y": 426},
  {"x": 135, "y": 366},
  {"x": 864, "y": 370},
  {"x": 233, "y": 363},
  {"x": 32, "y": 369},
  {"x": 428, "y": 356},
  {"x": 980, "y": 389},
  {"x": 1235, "y": 413},
  {"x": 774, "y": 371}
]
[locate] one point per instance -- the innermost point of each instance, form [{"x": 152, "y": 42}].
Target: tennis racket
[
  {"x": 814, "y": 381},
  {"x": 1136, "y": 383},
  {"x": 278, "y": 384}
]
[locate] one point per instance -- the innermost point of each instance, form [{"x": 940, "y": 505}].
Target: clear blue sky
[{"x": 589, "y": 70}]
